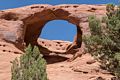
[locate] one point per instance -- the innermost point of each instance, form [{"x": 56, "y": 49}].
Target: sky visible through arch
[
  {"x": 7, "y": 4},
  {"x": 59, "y": 30}
]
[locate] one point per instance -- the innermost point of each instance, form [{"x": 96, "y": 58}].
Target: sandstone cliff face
[{"x": 24, "y": 25}]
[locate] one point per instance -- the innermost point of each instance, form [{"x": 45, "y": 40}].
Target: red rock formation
[{"x": 24, "y": 25}]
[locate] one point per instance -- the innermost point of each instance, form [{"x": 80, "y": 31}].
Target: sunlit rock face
[{"x": 21, "y": 26}]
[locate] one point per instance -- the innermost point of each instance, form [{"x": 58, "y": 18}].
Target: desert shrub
[
  {"x": 104, "y": 41},
  {"x": 30, "y": 66}
]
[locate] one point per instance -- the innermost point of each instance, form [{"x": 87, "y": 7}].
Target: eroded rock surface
[
  {"x": 21, "y": 26},
  {"x": 53, "y": 46},
  {"x": 24, "y": 25}
]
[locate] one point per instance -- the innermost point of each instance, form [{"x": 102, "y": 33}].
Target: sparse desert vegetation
[
  {"x": 30, "y": 66},
  {"x": 104, "y": 41}
]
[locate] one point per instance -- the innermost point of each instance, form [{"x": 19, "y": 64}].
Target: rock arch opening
[
  {"x": 58, "y": 30},
  {"x": 36, "y": 23}
]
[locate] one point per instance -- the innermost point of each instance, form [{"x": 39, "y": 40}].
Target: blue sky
[
  {"x": 4, "y": 4},
  {"x": 52, "y": 29},
  {"x": 59, "y": 30}
]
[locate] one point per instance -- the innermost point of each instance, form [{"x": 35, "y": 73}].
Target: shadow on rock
[{"x": 54, "y": 59}]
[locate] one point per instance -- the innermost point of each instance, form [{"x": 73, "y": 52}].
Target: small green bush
[
  {"x": 31, "y": 66},
  {"x": 104, "y": 41}
]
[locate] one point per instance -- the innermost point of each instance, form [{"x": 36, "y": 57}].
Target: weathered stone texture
[{"x": 24, "y": 25}]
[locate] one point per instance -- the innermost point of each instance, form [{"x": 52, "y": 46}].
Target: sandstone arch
[
  {"x": 25, "y": 24},
  {"x": 33, "y": 29},
  {"x": 34, "y": 26}
]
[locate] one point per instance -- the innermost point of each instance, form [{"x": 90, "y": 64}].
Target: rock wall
[{"x": 23, "y": 25}]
